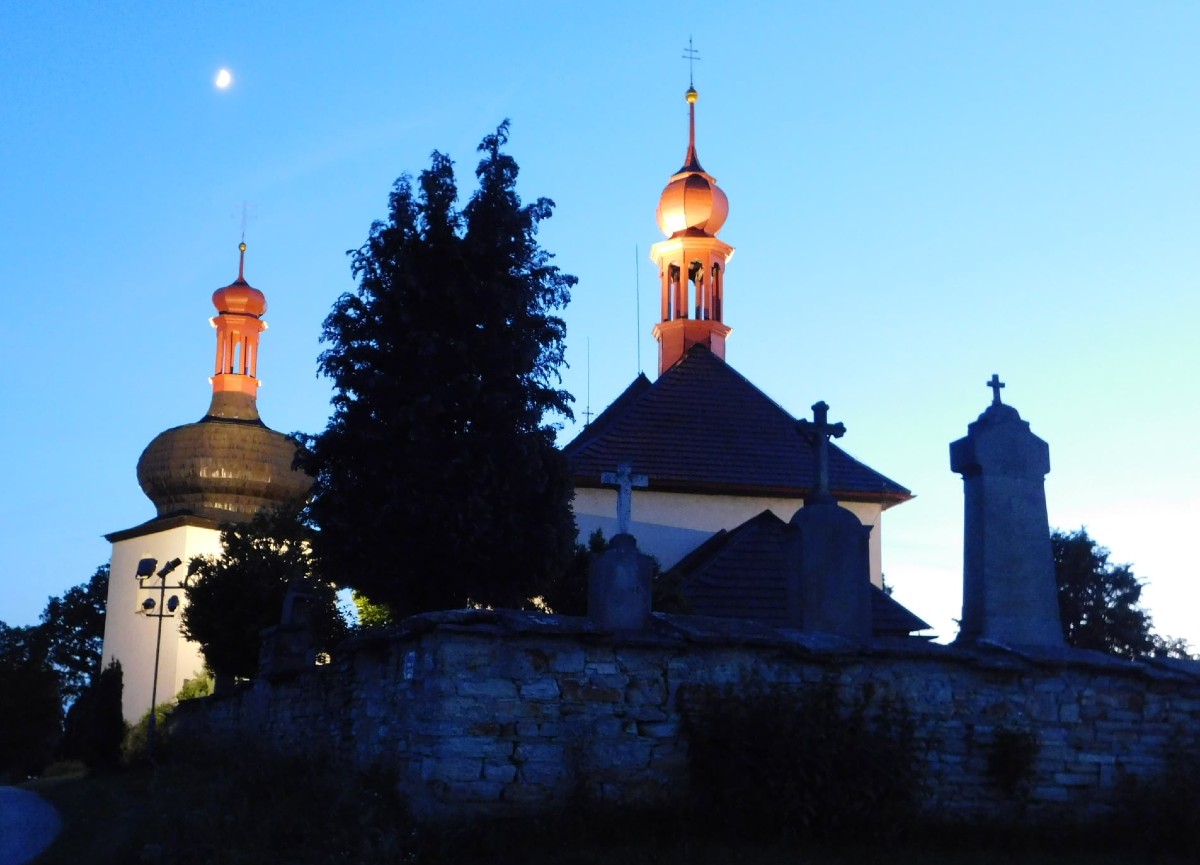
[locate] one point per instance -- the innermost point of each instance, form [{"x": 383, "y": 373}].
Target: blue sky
[{"x": 921, "y": 194}]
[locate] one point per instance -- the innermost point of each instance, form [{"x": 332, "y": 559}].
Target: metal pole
[{"x": 162, "y": 597}]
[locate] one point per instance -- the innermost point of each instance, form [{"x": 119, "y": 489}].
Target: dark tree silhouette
[
  {"x": 73, "y": 627},
  {"x": 95, "y": 726},
  {"x": 30, "y": 706},
  {"x": 1098, "y": 600},
  {"x": 234, "y": 597},
  {"x": 438, "y": 482}
]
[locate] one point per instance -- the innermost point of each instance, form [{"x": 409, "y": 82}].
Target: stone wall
[{"x": 483, "y": 712}]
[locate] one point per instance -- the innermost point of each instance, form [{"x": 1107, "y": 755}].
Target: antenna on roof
[
  {"x": 691, "y": 55},
  {"x": 637, "y": 311},
  {"x": 587, "y": 412}
]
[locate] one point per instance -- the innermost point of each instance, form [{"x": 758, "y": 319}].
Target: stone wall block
[
  {"x": 452, "y": 769},
  {"x": 575, "y": 690},
  {"x": 567, "y": 659},
  {"x": 490, "y": 688},
  {"x": 541, "y": 690},
  {"x": 545, "y": 773},
  {"x": 503, "y": 772},
  {"x": 540, "y": 752}
]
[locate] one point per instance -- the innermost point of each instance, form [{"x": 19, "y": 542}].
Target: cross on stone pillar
[
  {"x": 995, "y": 384},
  {"x": 817, "y": 432},
  {"x": 624, "y": 480}
]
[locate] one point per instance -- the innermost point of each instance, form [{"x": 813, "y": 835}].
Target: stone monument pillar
[
  {"x": 1009, "y": 592},
  {"x": 620, "y": 578},
  {"x": 828, "y": 554}
]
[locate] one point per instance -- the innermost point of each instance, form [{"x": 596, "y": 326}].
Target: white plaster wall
[
  {"x": 668, "y": 526},
  {"x": 129, "y": 635}
]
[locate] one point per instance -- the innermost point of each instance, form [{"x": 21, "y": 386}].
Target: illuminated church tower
[
  {"x": 225, "y": 467},
  {"x": 715, "y": 450},
  {"x": 692, "y": 260}
]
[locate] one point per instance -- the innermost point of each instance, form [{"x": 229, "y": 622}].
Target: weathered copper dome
[{"x": 220, "y": 468}]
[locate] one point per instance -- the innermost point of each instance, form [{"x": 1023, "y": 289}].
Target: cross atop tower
[
  {"x": 818, "y": 432},
  {"x": 995, "y": 384},
  {"x": 624, "y": 480},
  {"x": 691, "y": 55}
]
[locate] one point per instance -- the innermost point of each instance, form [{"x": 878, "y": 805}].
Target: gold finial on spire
[{"x": 242, "y": 262}]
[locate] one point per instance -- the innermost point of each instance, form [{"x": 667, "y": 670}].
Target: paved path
[{"x": 28, "y": 823}]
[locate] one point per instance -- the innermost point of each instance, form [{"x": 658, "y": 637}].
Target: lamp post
[{"x": 164, "y": 608}]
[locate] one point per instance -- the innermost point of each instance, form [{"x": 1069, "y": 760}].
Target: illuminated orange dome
[
  {"x": 692, "y": 200},
  {"x": 239, "y": 297}
]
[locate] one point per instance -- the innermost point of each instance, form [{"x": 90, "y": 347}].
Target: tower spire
[
  {"x": 692, "y": 260},
  {"x": 691, "y": 162}
]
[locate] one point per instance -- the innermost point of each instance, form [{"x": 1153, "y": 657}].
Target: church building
[
  {"x": 225, "y": 467},
  {"x": 724, "y": 465}
]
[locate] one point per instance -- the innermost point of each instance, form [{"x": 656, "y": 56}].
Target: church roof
[
  {"x": 740, "y": 574},
  {"x": 702, "y": 427}
]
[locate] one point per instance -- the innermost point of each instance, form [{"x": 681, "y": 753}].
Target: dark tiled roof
[
  {"x": 702, "y": 427},
  {"x": 740, "y": 574}
]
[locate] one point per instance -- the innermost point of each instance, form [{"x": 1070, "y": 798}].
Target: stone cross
[
  {"x": 817, "y": 432},
  {"x": 995, "y": 384},
  {"x": 624, "y": 480}
]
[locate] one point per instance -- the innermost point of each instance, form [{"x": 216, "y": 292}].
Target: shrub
[
  {"x": 801, "y": 763},
  {"x": 1011, "y": 760}
]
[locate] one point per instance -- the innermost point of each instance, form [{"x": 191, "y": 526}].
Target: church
[
  {"x": 226, "y": 466},
  {"x": 724, "y": 465}
]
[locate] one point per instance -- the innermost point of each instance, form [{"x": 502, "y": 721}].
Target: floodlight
[
  {"x": 148, "y": 604},
  {"x": 146, "y": 568},
  {"x": 172, "y": 603},
  {"x": 169, "y": 566}
]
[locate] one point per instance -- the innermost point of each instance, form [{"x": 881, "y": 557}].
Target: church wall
[
  {"x": 499, "y": 712},
  {"x": 668, "y": 526},
  {"x": 129, "y": 635}
]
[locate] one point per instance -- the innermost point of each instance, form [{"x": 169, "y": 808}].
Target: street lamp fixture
[{"x": 162, "y": 609}]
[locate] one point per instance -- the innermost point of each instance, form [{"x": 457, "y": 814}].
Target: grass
[{"x": 231, "y": 807}]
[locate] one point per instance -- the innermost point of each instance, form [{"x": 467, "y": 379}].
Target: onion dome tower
[
  {"x": 229, "y": 464},
  {"x": 691, "y": 261}
]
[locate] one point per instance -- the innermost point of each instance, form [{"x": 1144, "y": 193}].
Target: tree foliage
[
  {"x": 30, "y": 707},
  {"x": 73, "y": 627},
  {"x": 438, "y": 481},
  {"x": 234, "y": 597},
  {"x": 1098, "y": 600}
]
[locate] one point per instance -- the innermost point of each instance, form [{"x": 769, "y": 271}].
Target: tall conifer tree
[{"x": 438, "y": 482}]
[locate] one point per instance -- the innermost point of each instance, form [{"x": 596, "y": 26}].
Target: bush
[
  {"x": 1011, "y": 760},
  {"x": 798, "y": 763},
  {"x": 30, "y": 717},
  {"x": 95, "y": 725}
]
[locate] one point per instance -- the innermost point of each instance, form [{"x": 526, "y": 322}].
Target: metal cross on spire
[
  {"x": 817, "y": 432},
  {"x": 624, "y": 480},
  {"x": 995, "y": 384},
  {"x": 691, "y": 55}
]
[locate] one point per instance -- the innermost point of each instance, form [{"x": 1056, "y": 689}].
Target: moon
[{"x": 224, "y": 79}]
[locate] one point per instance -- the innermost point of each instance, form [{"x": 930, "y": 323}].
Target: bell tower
[
  {"x": 239, "y": 323},
  {"x": 692, "y": 260}
]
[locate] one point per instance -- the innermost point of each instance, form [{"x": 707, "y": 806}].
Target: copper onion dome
[
  {"x": 692, "y": 201},
  {"x": 229, "y": 464}
]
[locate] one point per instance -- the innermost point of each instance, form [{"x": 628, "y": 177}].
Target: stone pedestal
[
  {"x": 619, "y": 586},
  {"x": 829, "y": 572},
  {"x": 1009, "y": 593}
]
